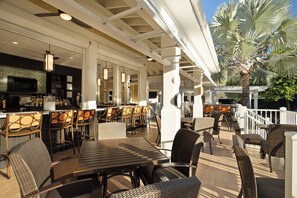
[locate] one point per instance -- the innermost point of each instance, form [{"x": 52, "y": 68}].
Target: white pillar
[
  {"x": 283, "y": 115},
  {"x": 291, "y": 164},
  {"x": 198, "y": 92},
  {"x": 116, "y": 90},
  {"x": 89, "y": 77},
  {"x": 250, "y": 100},
  {"x": 256, "y": 96},
  {"x": 170, "y": 114},
  {"x": 142, "y": 86},
  {"x": 127, "y": 90}
]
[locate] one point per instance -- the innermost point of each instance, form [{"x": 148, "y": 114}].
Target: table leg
[{"x": 104, "y": 184}]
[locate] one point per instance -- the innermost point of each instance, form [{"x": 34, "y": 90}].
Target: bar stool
[
  {"x": 106, "y": 117},
  {"x": 136, "y": 114},
  {"x": 17, "y": 126},
  {"x": 60, "y": 121},
  {"x": 83, "y": 119},
  {"x": 144, "y": 115}
]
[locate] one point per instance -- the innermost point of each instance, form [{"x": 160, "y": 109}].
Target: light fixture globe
[{"x": 65, "y": 16}]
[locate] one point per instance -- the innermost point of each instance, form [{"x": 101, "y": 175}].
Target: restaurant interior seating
[
  {"x": 204, "y": 126},
  {"x": 83, "y": 120},
  {"x": 60, "y": 130},
  {"x": 185, "y": 154},
  {"x": 18, "y": 127},
  {"x": 252, "y": 186},
  {"x": 274, "y": 145},
  {"x": 136, "y": 116},
  {"x": 33, "y": 169},
  {"x": 185, "y": 187},
  {"x": 106, "y": 116}
]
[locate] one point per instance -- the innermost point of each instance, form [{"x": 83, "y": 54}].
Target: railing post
[
  {"x": 242, "y": 117},
  {"x": 291, "y": 164},
  {"x": 283, "y": 115}
]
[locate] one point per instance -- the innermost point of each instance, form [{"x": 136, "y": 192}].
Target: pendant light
[
  {"x": 49, "y": 61},
  {"x": 123, "y": 76},
  {"x": 105, "y": 72}
]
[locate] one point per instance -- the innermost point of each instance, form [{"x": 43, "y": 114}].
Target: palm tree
[{"x": 248, "y": 33}]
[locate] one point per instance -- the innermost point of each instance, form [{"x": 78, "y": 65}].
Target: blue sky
[{"x": 210, "y": 7}]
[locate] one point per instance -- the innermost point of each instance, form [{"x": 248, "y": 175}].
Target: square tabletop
[{"x": 117, "y": 154}]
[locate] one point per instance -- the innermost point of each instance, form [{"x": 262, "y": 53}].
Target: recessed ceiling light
[
  {"x": 15, "y": 43},
  {"x": 71, "y": 57}
]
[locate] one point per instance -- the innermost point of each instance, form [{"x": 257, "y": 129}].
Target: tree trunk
[
  {"x": 245, "y": 83},
  {"x": 288, "y": 105}
]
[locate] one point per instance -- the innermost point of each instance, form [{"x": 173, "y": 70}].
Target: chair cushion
[
  {"x": 252, "y": 139},
  {"x": 269, "y": 187}
]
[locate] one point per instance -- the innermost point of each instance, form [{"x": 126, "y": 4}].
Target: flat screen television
[{"x": 19, "y": 84}]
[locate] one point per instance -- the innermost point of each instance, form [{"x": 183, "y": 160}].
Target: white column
[
  {"x": 198, "y": 92},
  {"x": 142, "y": 86},
  {"x": 291, "y": 165},
  {"x": 170, "y": 114},
  {"x": 89, "y": 77},
  {"x": 116, "y": 91},
  {"x": 127, "y": 90},
  {"x": 256, "y": 96}
]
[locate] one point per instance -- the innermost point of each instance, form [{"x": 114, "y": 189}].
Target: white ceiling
[{"x": 124, "y": 31}]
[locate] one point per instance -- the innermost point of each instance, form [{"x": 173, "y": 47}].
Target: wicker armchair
[
  {"x": 186, "y": 187},
  {"x": 184, "y": 159},
  {"x": 275, "y": 143},
  {"x": 217, "y": 125},
  {"x": 252, "y": 187},
  {"x": 33, "y": 169}
]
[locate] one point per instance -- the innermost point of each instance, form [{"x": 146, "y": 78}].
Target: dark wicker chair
[
  {"x": 33, "y": 169},
  {"x": 217, "y": 125},
  {"x": 186, "y": 187},
  {"x": 252, "y": 187},
  {"x": 275, "y": 143},
  {"x": 184, "y": 159},
  {"x": 254, "y": 139}
]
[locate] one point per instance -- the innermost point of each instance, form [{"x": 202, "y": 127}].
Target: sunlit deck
[{"x": 218, "y": 172}]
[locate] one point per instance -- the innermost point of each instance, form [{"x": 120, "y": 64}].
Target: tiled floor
[{"x": 218, "y": 172}]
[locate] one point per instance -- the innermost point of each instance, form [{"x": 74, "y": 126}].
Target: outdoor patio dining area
[{"x": 218, "y": 173}]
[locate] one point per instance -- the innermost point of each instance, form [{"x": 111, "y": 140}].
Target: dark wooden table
[{"x": 109, "y": 156}]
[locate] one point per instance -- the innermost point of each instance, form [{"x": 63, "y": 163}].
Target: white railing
[{"x": 251, "y": 119}]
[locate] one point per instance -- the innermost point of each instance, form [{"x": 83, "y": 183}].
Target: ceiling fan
[{"x": 64, "y": 16}]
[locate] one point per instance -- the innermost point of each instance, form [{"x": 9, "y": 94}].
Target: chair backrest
[
  {"x": 111, "y": 130},
  {"x": 186, "y": 187},
  {"x": 203, "y": 123},
  {"x": 23, "y": 124},
  {"x": 276, "y": 138},
  {"x": 84, "y": 117},
  {"x": 248, "y": 180},
  {"x": 32, "y": 165},
  {"x": 186, "y": 148},
  {"x": 61, "y": 119},
  {"x": 236, "y": 127},
  {"x": 218, "y": 119}
]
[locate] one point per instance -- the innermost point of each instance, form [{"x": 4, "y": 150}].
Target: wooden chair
[
  {"x": 60, "y": 121},
  {"x": 204, "y": 126},
  {"x": 106, "y": 116},
  {"x": 17, "y": 126},
  {"x": 252, "y": 187},
  {"x": 274, "y": 145},
  {"x": 144, "y": 115},
  {"x": 185, "y": 187},
  {"x": 33, "y": 169},
  {"x": 185, "y": 154},
  {"x": 136, "y": 115},
  {"x": 83, "y": 120}
]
